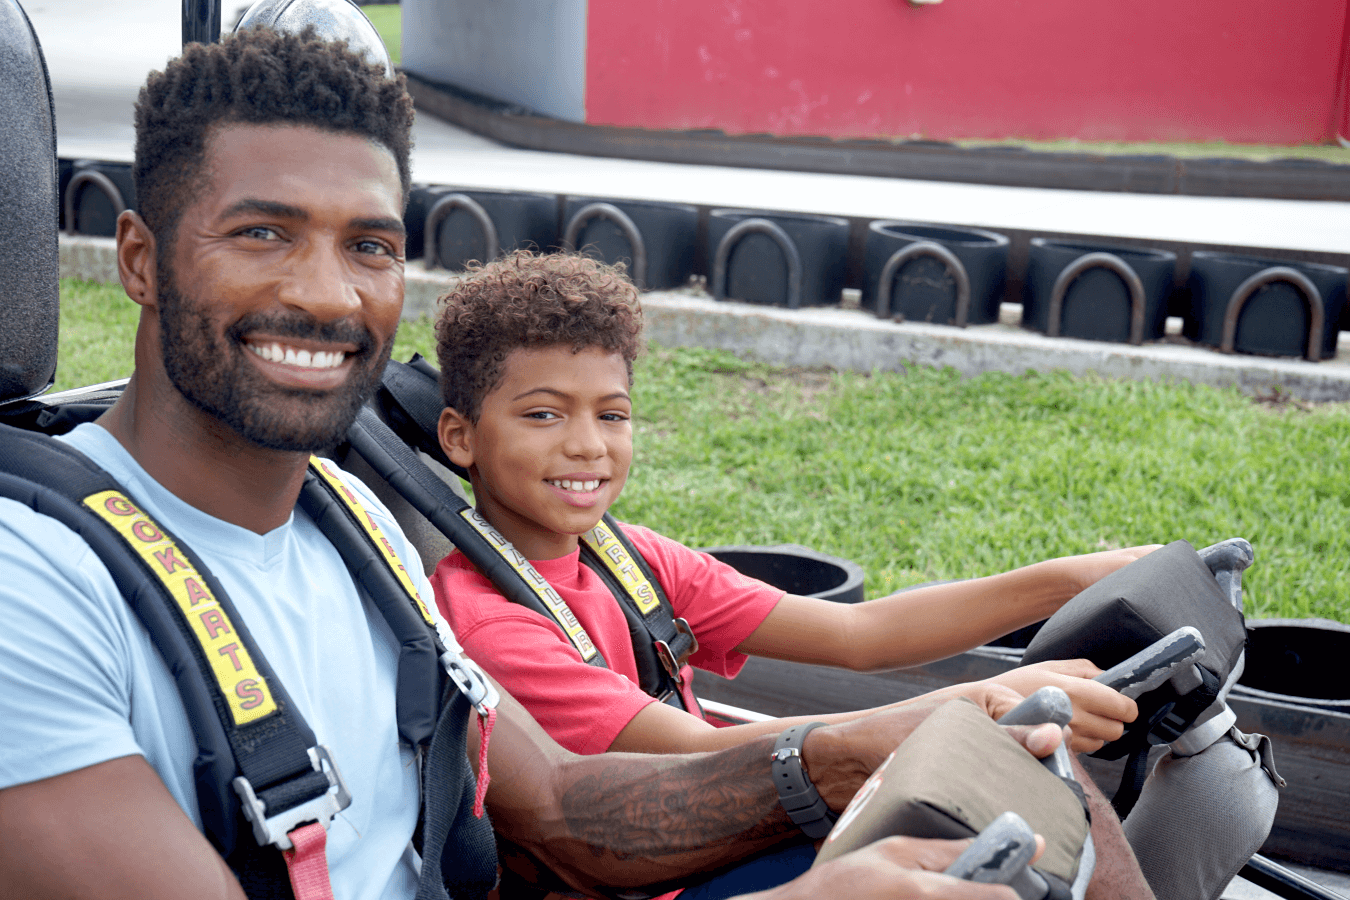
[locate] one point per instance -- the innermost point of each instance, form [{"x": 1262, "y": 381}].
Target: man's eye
[
  {"x": 260, "y": 232},
  {"x": 373, "y": 247}
]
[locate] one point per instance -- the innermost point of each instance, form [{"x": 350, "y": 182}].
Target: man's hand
[
  {"x": 896, "y": 868},
  {"x": 1099, "y": 713},
  {"x": 840, "y": 757},
  {"x": 1090, "y": 568}
]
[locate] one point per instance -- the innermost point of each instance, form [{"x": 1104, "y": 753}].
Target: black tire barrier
[
  {"x": 797, "y": 570},
  {"x": 654, "y": 240},
  {"x": 481, "y": 225},
  {"x": 1097, "y": 292},
  {"x": 96, "y": 194},
  {"x": 1298, "y": 661},
  {"x": 1247, "y": 304},
  {"x": 29, "y": 251},
  {"x": 944, "y": 274},
  {"x": 459, "y": 231},
  {"x": 776, "y": 259}
]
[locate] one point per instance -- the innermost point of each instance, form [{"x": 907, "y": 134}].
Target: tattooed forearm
[{"x": 662, "y": 806}]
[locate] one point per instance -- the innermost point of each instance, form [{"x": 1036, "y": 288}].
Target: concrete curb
[
  {"x": 856, "y": 340},
  {"x": 851, "y": 339}
]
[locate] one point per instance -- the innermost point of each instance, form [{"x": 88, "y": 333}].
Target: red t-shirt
[{"x": 584, "y": 707}]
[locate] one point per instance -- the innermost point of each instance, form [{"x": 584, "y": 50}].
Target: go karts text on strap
[{"x": 264, "y": 761}]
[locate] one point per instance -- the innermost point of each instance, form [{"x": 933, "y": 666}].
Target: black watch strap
[{"x": 798, "y": 795}]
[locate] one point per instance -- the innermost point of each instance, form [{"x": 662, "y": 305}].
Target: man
[{"x": 267, "y": 258}]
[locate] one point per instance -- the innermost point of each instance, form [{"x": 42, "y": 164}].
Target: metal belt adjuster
[
  {"x": 669, "y": 661},
  {"x": 276, "y": 829},
  {"x": 472, "y": 681}
]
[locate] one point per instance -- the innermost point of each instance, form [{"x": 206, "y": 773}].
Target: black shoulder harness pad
[{"x": 252, "y": 742}]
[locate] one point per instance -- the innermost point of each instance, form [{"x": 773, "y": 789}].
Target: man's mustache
[{"x": 303, "y": 327}]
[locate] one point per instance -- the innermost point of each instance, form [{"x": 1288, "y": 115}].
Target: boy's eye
[
  {"x": 614, "y": 417},
  {"x": 541, "y": 414}
]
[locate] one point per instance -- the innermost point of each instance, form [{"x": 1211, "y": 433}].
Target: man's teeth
[
  {"x": 289, "y": 356},
  {"x": 583, "y": 486}
]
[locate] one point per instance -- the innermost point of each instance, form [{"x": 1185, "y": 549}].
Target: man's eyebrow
[
  {"x": 287, "y": 211},
  {"x": 264, "y": 207},
  {"x": 381, "y": 223}
]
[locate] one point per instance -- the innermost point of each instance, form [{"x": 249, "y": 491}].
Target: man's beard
[{"x": 210, "y": 371}]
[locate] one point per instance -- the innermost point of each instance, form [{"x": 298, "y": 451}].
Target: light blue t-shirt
[{"x": 81, "y": 683}]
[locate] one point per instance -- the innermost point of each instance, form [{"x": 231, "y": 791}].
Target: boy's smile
[{"x": 551, "y": 449}]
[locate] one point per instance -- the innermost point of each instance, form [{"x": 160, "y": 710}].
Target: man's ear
[
  {"x": 136, "y": 258},
  {"x": 455, "y": 433}
]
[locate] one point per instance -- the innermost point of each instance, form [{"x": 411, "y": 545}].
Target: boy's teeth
[
  {"x": 581, "y": 486},
  {"x": 318, "y": 359}
]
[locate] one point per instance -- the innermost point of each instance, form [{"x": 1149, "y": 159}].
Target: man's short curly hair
[
  {"x": 526, "y": 299},
  {"x": 257, "y": 77}
]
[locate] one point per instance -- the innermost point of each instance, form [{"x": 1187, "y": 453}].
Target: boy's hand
[
  {"x": 1083, "y": 571},
  {"x": 1099, "y": 713}
]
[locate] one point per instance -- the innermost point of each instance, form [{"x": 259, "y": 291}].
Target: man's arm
[
  {"x": 625, "y": 820},
  {"x": 111, "y": 831}
]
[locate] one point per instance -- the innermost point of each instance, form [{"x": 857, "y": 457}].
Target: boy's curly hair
[
  {"x": 526, "y": 299},
  {"x": 258, "y": 77}
]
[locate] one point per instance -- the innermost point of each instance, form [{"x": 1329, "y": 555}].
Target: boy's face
[{"x": 552, "y": 446}]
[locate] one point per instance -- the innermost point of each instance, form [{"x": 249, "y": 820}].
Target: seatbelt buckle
[
  {"x": 472, "y": 681},
  {"x": 276, "y": 829},
  {"x": 669, "y": 660}
]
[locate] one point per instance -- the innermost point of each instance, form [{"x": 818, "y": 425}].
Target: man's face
[{"x": 284, "y": 286}]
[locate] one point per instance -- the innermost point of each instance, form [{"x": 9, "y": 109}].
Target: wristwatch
[{"x": 798, "y": 795}]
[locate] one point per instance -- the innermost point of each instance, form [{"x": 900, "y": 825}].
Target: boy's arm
[
  {"x": 1099, "y": 713},
  {"x": 929, "y": 623}
]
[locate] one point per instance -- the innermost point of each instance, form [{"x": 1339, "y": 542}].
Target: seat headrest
[{"x": 29, "y": 255}]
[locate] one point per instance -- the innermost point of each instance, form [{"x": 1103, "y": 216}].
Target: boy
[{"x": 536, "y": 356}]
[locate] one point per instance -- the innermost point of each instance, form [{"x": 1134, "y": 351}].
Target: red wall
[{"x": 1244, "y": 71}]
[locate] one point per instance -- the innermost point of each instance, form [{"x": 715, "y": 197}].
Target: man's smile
[{"x": 285, "y": 354}]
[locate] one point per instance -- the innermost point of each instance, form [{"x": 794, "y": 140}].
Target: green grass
[
  {"x": 97, "y": 334},
  {"x": 388, "y": 21},
  {"x": 925, "y": 475}
]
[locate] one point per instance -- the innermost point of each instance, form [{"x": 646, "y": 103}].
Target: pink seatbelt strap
[
  {"x": 485, "y": 723},
  {"x": 307, "y": 864}
]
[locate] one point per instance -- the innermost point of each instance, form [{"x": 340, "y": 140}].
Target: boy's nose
[{"x": 584, "y": 439}]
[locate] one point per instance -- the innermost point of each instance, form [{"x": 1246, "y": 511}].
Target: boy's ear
[{"x": 456, "y": 437}]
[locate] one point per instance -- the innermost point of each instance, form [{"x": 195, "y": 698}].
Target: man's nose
[{"x": 319, "y": 282}]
